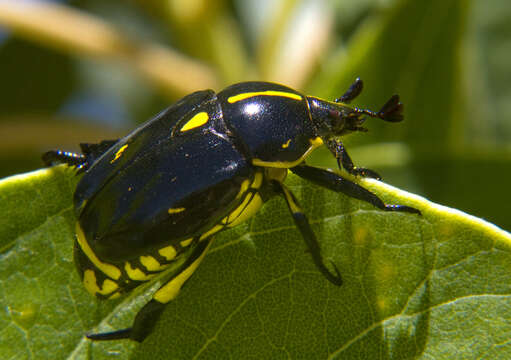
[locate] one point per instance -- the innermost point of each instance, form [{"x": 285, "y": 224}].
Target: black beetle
[{"x": 149, "y": 202}]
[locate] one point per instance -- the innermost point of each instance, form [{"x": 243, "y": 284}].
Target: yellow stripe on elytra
[
  {"x": 170, "y": 290},
  {"x": 243, "y": 96},
  {"x": 176, "y": 210},
  {"x": 186, "y": 242},
  {"x": 251, "y": 209},
  {"x": 210, "y": 232},
  {"x": 258, "y": 180},
  {"x": 119, "y": 153},
  {"x": 91, "y": 284},
  {"x": 315, "y": 143},
  {"x": 168, "y": 252},
  {"x": 108, "y": 269},
  {"x": 136, "y": 273},
  {"x": 151, "y": 263},
  {"x": 243, "y": 188},
  {"x": 199, "y": 119}
]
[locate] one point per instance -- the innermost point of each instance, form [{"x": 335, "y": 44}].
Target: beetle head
[{"x": 334, "y": 119}]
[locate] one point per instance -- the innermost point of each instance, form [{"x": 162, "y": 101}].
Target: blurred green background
[{"x": 82, "y": 71}]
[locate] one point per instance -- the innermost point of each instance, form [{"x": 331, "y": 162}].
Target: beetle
[{"x": 151, "y": 201}]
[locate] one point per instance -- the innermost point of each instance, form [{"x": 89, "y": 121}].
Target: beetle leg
[
  {"x": 335, "y": 182},
  {"x": 302, "y": 223},
  {"x": 63, "y": 157},
  {"x": 146, "y": 318},
  {"x": 344, "y": 161}
]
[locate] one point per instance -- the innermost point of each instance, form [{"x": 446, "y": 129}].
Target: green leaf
[{"x": 436, "y": 286}]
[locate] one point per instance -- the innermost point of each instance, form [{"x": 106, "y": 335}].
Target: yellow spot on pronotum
[
  {"x": 150, "y": 263},
  {"x": 286, "y": 144},
  {"x": 248, "y": 95},
  {"x": 119, "y": 153},
  {"x": 168, "y": 252},
  {"x": 136, "y": 273},
  {"x": 186, "y": 242},
  {"x": 196, "y": 121},
  {"x": 108, "y": 269},
  {"x": 170, "y": 290},
  {"x": 176, "y": 210}
]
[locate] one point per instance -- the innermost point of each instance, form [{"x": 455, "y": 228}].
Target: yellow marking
[
  {"x": 253, "y": 207},
  {"x": 236, "y": 212},
  {"x": 315, "y": 143},
  {"x": 108, "y": 269},
  {"x": 89, "y": 281},
  {"x": 119, "y": 153},
  {"x": 276, "y": 174},
  {"x": 286, "y": 144},
  {"x": 168, "y": 252},
  {"x": 186, "y": 242},
  {"x": 243, "y": 188},
  {"x": 91, "y": 284},
  {"x": 176, "y": 210},
  {"x": 196, "y": 121},
  {"x": 213, "y": 230},
  {"x": 136, "y": 273},
  {"x": 247, "y": 95},
  {"x": 151, "y": 263},
  {"x": 258, "y": 180},
  {"x": 109, "y": 286},
  {"x": 114, "y": 296},
  {"x": 289, "y": 197},
  {"x": 170, "y": 290}
]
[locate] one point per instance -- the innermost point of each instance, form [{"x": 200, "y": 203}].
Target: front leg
[
  {"x": 337, "y": 148},
  {"x": 302, "y": 223},
  {"x": 335, "y": 182}
]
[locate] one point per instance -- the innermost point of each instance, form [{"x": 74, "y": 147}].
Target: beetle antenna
[
  {"x": 354, "y": 91},
  {"x": 392, "y": 111}
]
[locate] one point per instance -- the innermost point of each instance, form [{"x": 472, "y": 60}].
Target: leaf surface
[{"x": 436, "y": 286}]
